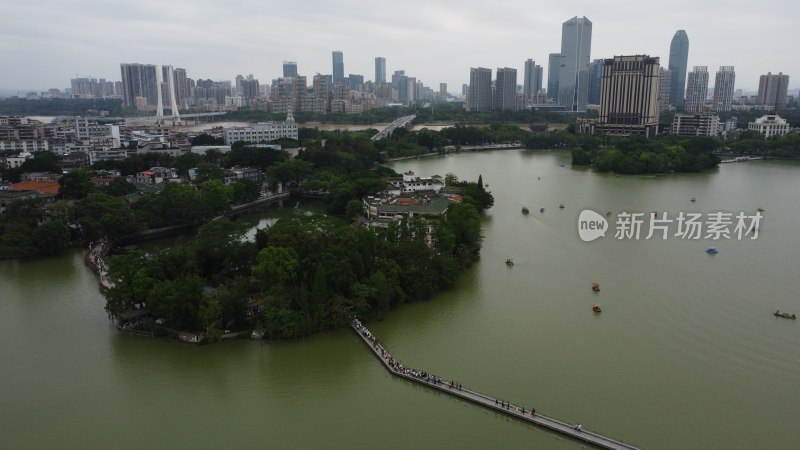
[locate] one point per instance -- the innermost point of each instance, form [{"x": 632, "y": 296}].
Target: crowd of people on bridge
[
  {"x": 399, "y": 368},
  {"x": 395, "y": 365}
]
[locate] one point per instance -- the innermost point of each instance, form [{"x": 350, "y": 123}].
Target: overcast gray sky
[{"x": 44, "y": 43}]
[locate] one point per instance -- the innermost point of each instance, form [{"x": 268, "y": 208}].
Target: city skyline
[{"x": 438, "y": 47}]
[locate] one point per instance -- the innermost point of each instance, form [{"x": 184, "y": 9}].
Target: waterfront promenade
[{"x": 434, "y": 381}]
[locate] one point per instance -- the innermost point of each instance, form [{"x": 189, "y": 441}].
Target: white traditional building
[
  {"x": 769, "y": 125},
  {"x": 412, "y": 183},
  {"x": 262, "y": 132}
]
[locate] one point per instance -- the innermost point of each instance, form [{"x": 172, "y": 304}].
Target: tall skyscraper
[
  {"x": 532, "y": 83},
  {"x": 338, "y": 67},
  {"x": 505, "y": 90},
  {"x": 573, "y": 81},
  {"x": 480, "y": 89},
  {"x": 139, "y": 81},
  {"x": 696, "y": 89},
  {"x": 629, "y": 97},
  {"x": 678, "y": 58},
  {"x": 406, "y": 93},
  {"x": 723, "y": 88},
  {"x": 664, "y": 86},
  {"x": 443, "y": 90},
  {"x": 772, "y": 90},
  {"x": 396, "y": 78},
  {"x": 595, "y": 78},
  {"x": 553, "y": 70},
  {"x": 355, "y": 82},
  {"x": 289, "y": 69},
  {"x": 182, "y": 91},
  {"x": 380, "y": 70}
]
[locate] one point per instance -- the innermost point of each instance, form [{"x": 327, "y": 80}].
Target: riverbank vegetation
[{"x": 634, "y": 155}]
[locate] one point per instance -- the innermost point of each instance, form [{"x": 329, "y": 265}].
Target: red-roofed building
[{"x": 46, "y": 189}]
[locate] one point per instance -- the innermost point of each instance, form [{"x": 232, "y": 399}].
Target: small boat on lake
[
  {"x": 509, "y": 262},
  {"x": 785, "y": 315},
  {"x": 596, "y": 286},
  {"x": 712, "y": 250},
  {"x": 596, "y": 308},
  {"x": 760, "y": 209},
  {"x": 525, "y": 210},
  {"x": 541, "y": 210},
  {"x": 694, "y": 199},
  {"x": 561, "y": 206}
]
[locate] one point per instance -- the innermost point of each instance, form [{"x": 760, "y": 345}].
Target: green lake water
[{"x": 686, "y": 353}]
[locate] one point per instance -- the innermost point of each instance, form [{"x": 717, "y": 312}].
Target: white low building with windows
[
  {"x": 769, "y": 125},
  {"x": 262, "y": 132}
]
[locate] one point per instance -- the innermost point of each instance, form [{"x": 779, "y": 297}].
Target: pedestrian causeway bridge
[{"x": 434, "y": 382}]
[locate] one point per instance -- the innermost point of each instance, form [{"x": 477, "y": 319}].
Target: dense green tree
[
  {"x": 244, "y": 191},
  {"x": 119, "y": 187},
  {"x": 76, "y": 184},
  {"x": 207, "y": 139},
  {"x": 216, "y": 196},
  {"x": 102, "y": 215},
  {"x": 51, "y": 237},
  {"x": 209, "y": 171}
]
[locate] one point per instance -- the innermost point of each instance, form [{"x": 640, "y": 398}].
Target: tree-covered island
[{"x": 303, "y": 274}]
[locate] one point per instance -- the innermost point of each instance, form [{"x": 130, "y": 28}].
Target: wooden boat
[
  {"x": 760, "y": 209},
  {"x": 596, "y": 308},
  {"x": 525, "y": 210},
  {"x": 694, "y": 199},
  {"x": 712, "y": 250},
  {"x": 596, "y": 286},
  {"x": 561, "y": 206},
  {"x": 509, "y": 262},
  {"x": 785, "y": 315}
]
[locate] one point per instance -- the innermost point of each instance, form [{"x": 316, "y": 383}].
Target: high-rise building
[
  {"x": 464, "y": 90},
  {"x": 664, "y": 86},
  {"x": 250, "y": 89},
  {"x": 355, "y": 82},
  {"x": 380, "y": 70},
  {"x": 723, "y": 88},
  {"x": 772, "y": 90},
  {"x": 182, "y": 90},
  {"x": 443, "y": 90},
  {"x": 696, "y": 89},
  {"x": 238, "y": 80},
  {"x": 139, "y": 81},
  {"x": 320, "y": 83},
  {"x": 505, "y": 90},
  {"x": 396, "y": 78},
  {"x": 532, "y": 83},
  {"x": 407, "y": 92},
  {"x": 595, "y": 77},
  {"x": 338, "y": 67},
  {"x": 480, "y": 89},
  {"x": 573, "y": 80},
  {"x": 678, "y": 58},
  {"x": 553, "y": 70},
  {"x": 289, "y": 69},
  {"x": 629, "y": 96}
]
